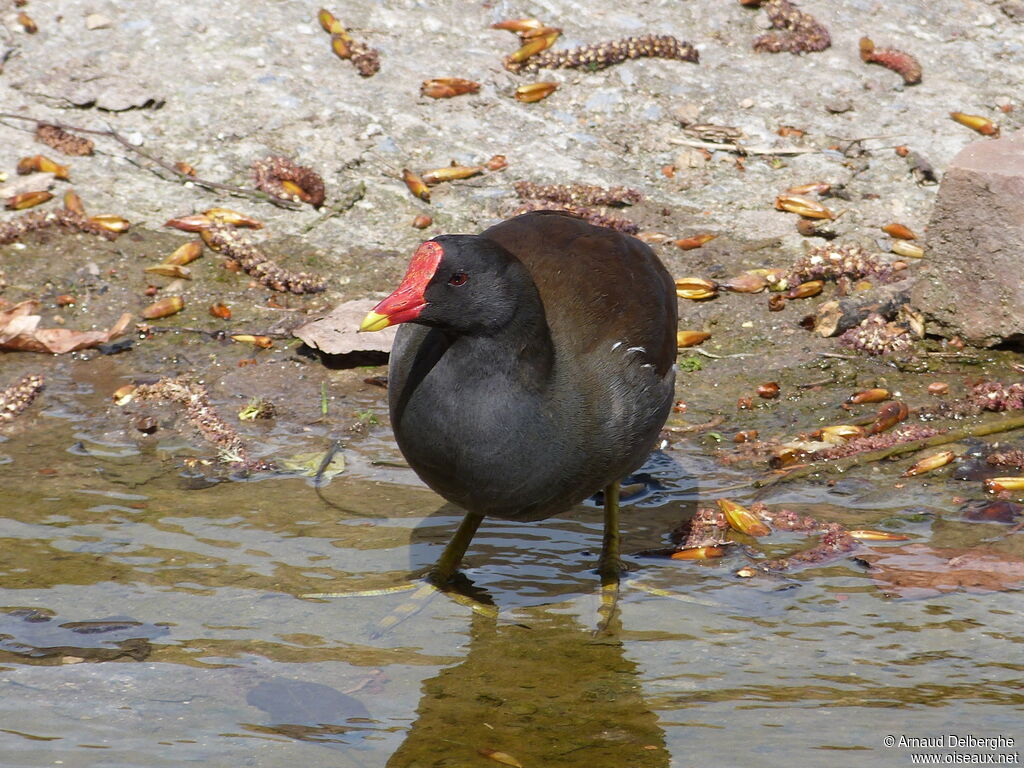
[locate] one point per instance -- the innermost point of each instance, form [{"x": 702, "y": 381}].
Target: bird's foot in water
[
  {"x": 611, "y": 569},
  {"x": 457, "y": 588}
]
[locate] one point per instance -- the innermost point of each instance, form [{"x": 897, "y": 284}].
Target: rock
[
  {"x": 970, "y": 282},
  {"x": 34, "y": 182},
  {"x": 97, "y": 21}
]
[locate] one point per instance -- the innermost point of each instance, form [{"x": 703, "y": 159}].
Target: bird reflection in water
[{"x": 543, "y": 690}]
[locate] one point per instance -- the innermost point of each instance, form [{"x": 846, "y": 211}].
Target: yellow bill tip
[{"x": 374, "y": 322}]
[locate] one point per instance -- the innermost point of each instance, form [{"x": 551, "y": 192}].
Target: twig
[
  {"x": 215, "y": 186},
  {"x": 951, "y": 436},
  {"x": 741, "y": 150},
  {"x": 713, "y": 356}
]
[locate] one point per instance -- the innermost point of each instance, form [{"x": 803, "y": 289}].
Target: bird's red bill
[{"x": 407, "y": 301}]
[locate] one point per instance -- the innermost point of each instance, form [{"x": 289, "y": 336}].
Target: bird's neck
[{"x": 522, "y": 348}]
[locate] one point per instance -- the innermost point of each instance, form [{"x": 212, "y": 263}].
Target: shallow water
[{"x": 151, "y": 617}]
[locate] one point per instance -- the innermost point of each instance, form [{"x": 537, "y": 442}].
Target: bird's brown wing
[{"x": 599, "y": 287}]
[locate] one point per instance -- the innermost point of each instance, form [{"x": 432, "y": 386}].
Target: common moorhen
[{"x": 537, "y": 368}]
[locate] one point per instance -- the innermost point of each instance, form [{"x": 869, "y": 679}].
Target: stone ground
[{"x": 219, "y": 85}]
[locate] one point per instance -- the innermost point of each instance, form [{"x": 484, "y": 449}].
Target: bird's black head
[{"x": 463, "y": 283}]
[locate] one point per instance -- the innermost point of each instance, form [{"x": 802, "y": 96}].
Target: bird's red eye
[{"x": 459, "y": 278}]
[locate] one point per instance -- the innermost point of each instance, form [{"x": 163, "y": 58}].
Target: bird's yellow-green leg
[
  {"x": 448, "y": 563},
  {"x": 610, "y": 566},
  {"x": 439, "y": 577}
]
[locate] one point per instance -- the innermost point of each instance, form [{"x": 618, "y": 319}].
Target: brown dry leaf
[
  {"x": 337, "y": 333},
  {"x": 19, "y": 330},
  {"x": 918, "y": 570}
]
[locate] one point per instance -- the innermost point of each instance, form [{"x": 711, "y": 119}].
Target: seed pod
[
  {"x": 748, "y": 282},
  {"x": 776, "y": 302},
  {"x": 806, "y": 290},
  {"x": 928, "y": 463},
  {"x": 184, "y": 168},
  {"x": 110, "y": 222},
  {"x": 691, "y": 338},
  {"x": 696, "y": 288},
  {"x": 996, "y": 484},
  {"x": 193, "y": 223},
  {"x": 768, "y": 391},
  {"x": 803, "y": 206},
  {"x": 787, "y": 456},
  {"x": 745, "y": 436},
  {"x": 898, "y": 61},
  {"x": 899, "y": 231},
  {"x": 216, "y": 244},
  {"x": 913, "y": 319},
  {"x": 65, "y": 300},
  {"x": 689, "y": 243},
  {"x": 330, "y": 24},
  {"x": 291, "y": 189},
  {"x": 451, "y": 173},
  {"x": 742, "y": 519},
  {"x": 938, "y": 388},
  {"x": 496, "y": 163},
  {"x": 866, "y": 535},
  {"x": 876, "y": 395},
  {"x": 28, "y": 200},
  {"x": 698, "y": 553},
  {"x": 902, "y": 150},
  {"x": 263, "y": 342},
  {"x": 185, "y": 254},
  {"x": 164, "y": 308},
  {"x": 233, "y": 218},
  {"x": 904, "y": 248},
  {"x": 422, "y": 221},
  {"x": 220, "y": 310},
  {"x": 73, "y": 202},
  {"x": 416, "y": 185},
  {"x": 815, "y": 228},
  {"x": 532, "y": 47},
  {"x": 447, "y": 87},
  {"x": 535, "y": 91},
  {"x": 342, "y": 46},
  {"x": 529, "y": 34},
  {"x": 43, "y": 164},
  {"x": 814, "y": 188},
  {"x": 840, "y": 433},
  {"x": 889, "y": 415},
  {"x": 123, "y": 395},
  {"x": 982, "y": 125},
  {"x": 519, "y": 26},
  {"x": 27, "y": 23},
  {"x": 170, "y": 270}
]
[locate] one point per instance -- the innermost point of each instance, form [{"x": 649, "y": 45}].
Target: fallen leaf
[
  {"x": 19, "y": 330},
  {"x": 311, "y": 464},
  {"x": 338, "y": 332}
]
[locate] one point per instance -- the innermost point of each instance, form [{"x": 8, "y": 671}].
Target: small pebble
[{"x": 97, "y": 21}]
